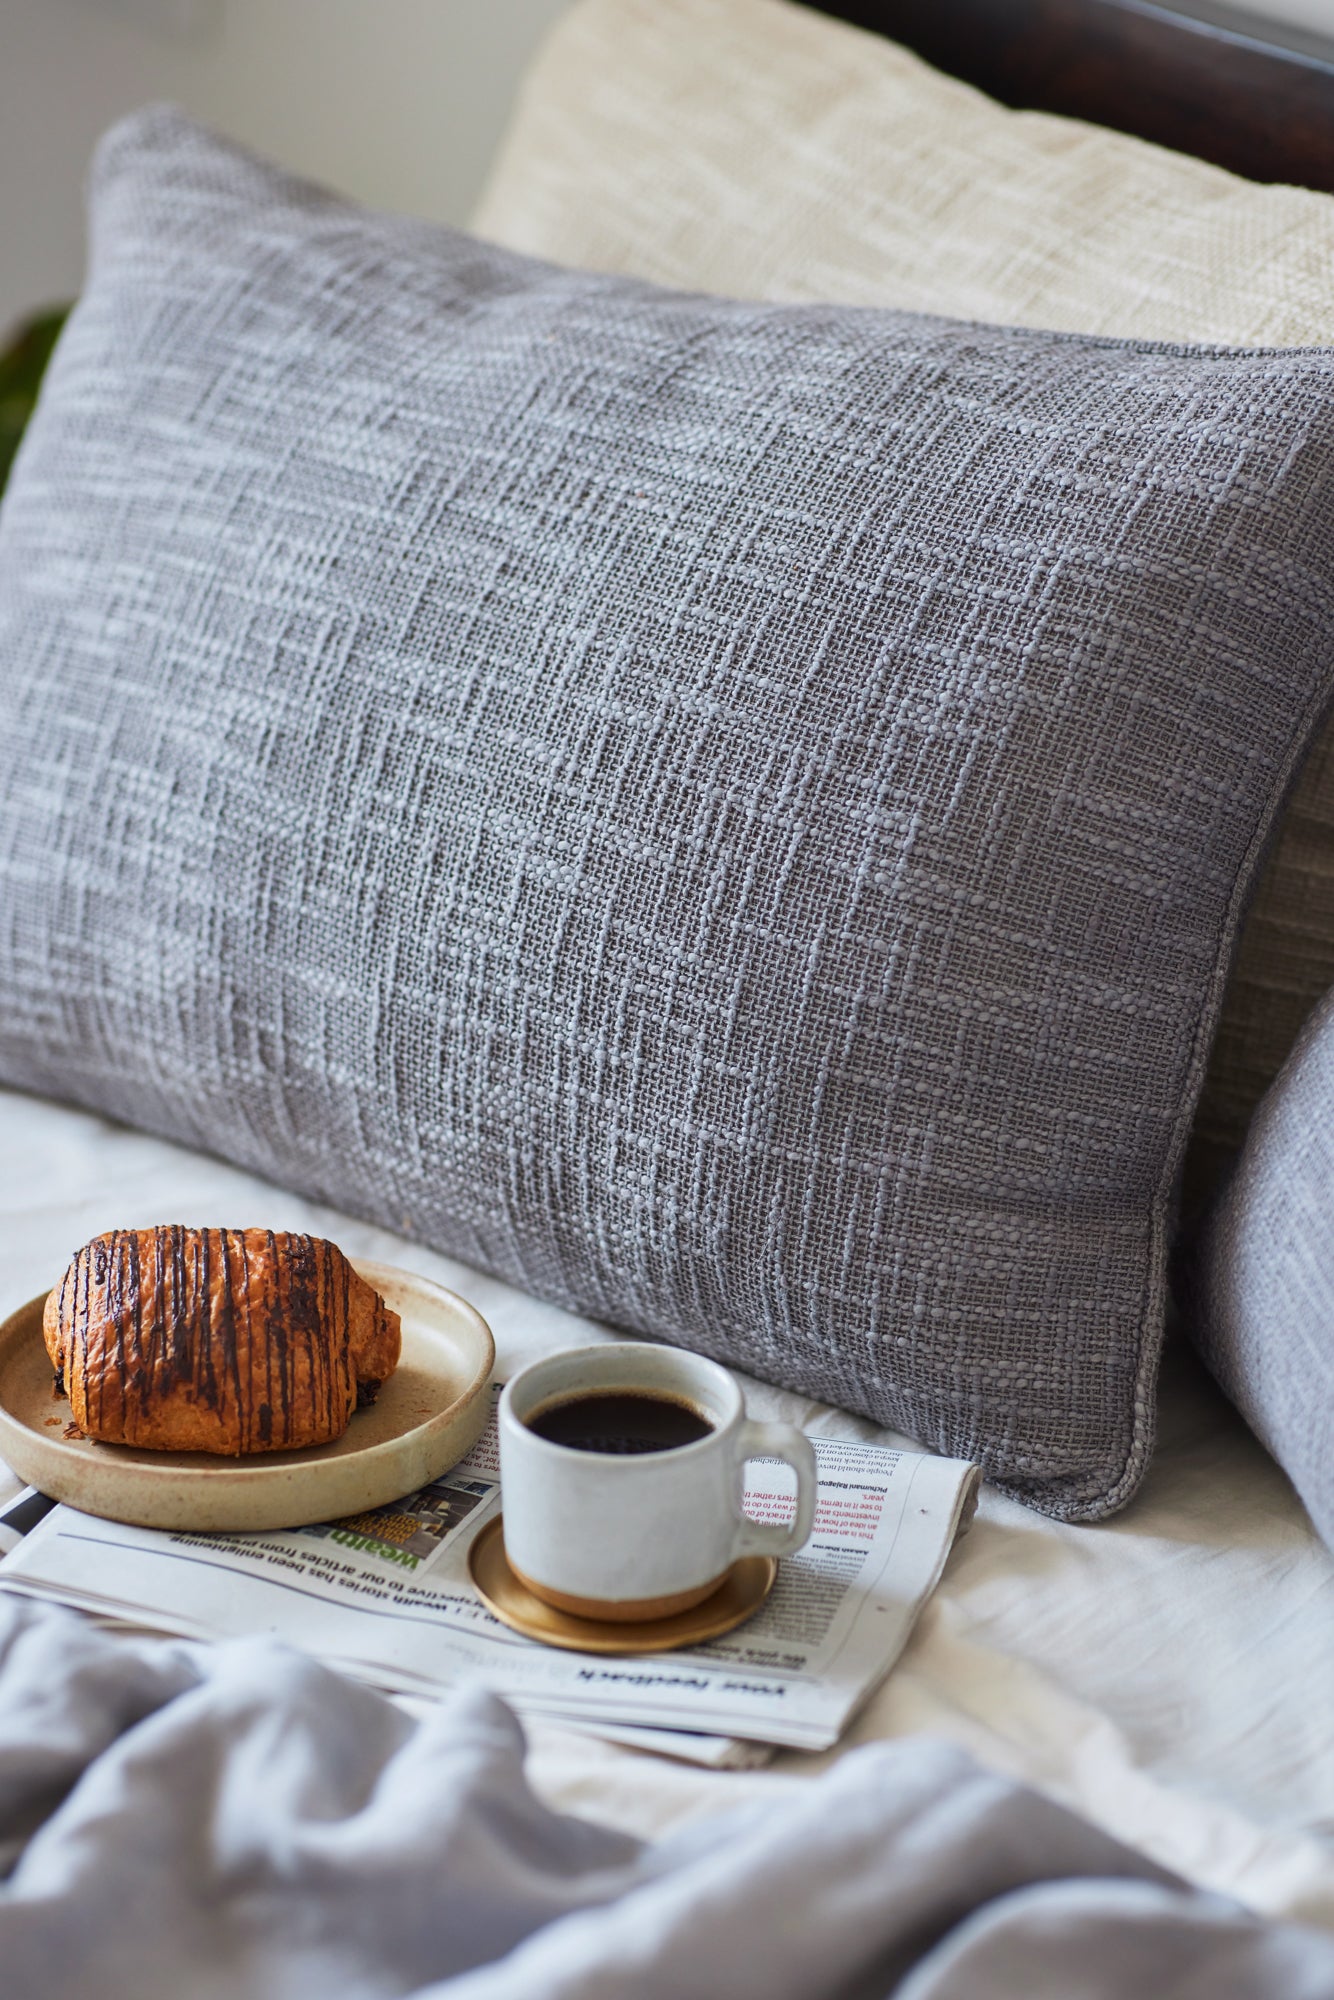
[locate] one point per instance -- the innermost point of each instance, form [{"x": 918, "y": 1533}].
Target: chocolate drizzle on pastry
[{"x": 222, "y": 1340}]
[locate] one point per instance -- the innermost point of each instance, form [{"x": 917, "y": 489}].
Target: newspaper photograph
[{"x": 387, "y": 1597}]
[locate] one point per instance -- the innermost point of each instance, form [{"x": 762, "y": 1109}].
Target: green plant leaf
[{"x": 22, "y": 365}]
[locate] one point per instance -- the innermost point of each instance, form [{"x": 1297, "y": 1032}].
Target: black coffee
[{"x": 620, "y": 1421}]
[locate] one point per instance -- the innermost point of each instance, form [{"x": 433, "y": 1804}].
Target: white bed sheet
[{"x": 1170, "y": 1674}]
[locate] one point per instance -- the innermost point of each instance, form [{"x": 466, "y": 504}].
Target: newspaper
[{"x": 387, "y": 1597}]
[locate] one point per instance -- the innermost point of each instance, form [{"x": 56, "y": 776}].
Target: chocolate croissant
[{"x": 221, "y": 1340}]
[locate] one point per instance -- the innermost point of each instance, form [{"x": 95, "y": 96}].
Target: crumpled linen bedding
[
  {"x": 1166, "y": 1674},
  {"x": 237, "y": 1823}
]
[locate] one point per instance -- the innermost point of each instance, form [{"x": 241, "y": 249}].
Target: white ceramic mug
[{"x": 645, "y": 1535}]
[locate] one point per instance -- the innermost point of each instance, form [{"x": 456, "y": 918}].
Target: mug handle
[{"x": 770, "y": 1538}]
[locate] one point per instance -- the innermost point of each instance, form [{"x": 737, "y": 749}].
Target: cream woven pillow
[{"x": 757, "y": 149}]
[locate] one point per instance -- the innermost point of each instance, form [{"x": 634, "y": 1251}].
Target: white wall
[
  {"x": 400, "y": 102},
  {"x": 1317, "y": 15}
]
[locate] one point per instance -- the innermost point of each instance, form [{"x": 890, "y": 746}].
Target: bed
[{"x": 1168, "y": 1674}]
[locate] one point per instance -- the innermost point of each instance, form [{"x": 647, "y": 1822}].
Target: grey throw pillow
[
  {"x": 1260, "y": 1283},
  {"x": 734, "y": 816}
]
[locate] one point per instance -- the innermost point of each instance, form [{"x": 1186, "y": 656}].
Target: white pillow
[{"x": 753, "y": 148}]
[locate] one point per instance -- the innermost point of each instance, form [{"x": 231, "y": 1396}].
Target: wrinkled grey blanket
[{"x": 240, "y": 1822}]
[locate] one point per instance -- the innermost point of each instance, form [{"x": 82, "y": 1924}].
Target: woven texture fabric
[
  {"x": 1261, "y": 1277},
  {"x": 754, "y": 148},
  {"x": 732, "y": 817}
]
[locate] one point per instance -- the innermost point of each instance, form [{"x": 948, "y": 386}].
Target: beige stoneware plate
[{"x": 428, "y": 1414}]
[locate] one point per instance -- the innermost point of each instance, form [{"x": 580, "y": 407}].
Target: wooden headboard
[{"x": 1201, "y": 77}]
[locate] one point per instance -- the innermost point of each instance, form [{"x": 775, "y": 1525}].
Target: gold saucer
[{"x": 738, "y": 1597}]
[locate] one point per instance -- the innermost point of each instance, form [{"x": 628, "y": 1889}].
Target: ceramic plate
[
  {"x": 738, "y": 1597},
  {"x": 428, "y": 1414}
]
